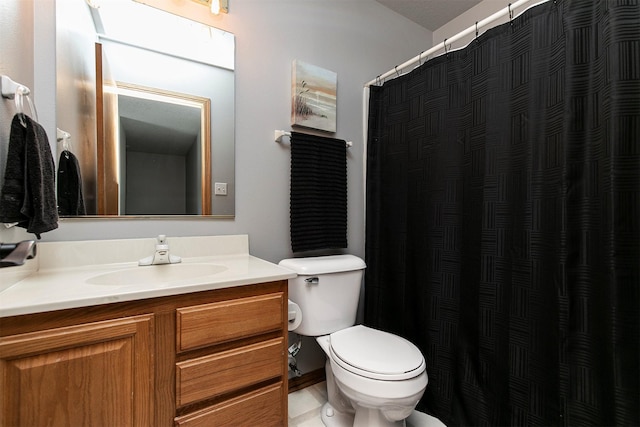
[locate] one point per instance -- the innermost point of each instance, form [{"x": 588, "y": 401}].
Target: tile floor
[{"x": 305, "y": 405}]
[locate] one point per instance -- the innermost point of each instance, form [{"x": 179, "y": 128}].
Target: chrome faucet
[
  {"x": 162, "y": 255},
  {"x": 13, "y": 254}
]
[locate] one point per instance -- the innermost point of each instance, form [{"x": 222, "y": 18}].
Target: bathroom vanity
[{"x": 207, "y": 350}]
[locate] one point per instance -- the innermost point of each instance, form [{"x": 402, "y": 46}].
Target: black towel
[
  {"x": 70, "y": 199},
  {"x": 318, "y": 192},
  {"x": 28, "y": 195}
]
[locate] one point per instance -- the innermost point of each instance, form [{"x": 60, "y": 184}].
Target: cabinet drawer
[
  {"x": 262, "y": 407},
  {"x": 207, "y": 324},
  {"x": 219, "y": 373}
]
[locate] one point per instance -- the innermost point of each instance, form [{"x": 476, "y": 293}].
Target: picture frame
[{"x": 313, "y": 97}]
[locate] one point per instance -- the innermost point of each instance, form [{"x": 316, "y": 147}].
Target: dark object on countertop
[
  {"x": 14, "y": 254},
  {"x": 28, "y": 195}
]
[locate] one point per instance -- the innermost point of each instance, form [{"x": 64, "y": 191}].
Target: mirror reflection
[
  {"x": 164, "y": 165},
  {"x": 151, "y": 118}
]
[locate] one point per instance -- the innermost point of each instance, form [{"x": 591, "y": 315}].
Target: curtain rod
[{"x": 447, "y": 42}]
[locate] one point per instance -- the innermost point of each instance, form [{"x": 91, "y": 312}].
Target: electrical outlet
[{"x": 220, "y": 189}]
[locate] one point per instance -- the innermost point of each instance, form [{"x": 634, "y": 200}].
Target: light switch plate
[{"x": 220, "y": 188}]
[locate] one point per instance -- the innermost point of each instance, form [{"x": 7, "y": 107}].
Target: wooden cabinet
[
  {"x": 211, "y": 358},
  {"x": 91, "y": 374}
]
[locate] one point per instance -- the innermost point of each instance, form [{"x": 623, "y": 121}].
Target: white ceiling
[{"x": 431, "y": 14}]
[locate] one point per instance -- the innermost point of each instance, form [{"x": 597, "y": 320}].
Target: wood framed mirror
[{"x": 197, "y": 62}]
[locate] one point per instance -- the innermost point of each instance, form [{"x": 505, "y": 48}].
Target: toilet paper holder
[{"x": 294, "y": 315}]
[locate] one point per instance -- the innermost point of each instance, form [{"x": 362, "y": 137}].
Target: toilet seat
[{"x": 376, "y": 354}]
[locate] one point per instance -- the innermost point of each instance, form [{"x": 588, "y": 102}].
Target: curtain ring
[
  {"x": 397, "y": 73},
  {"x": 476, "y": 30},
  {"x": 378, "y": 81},
  {"x": 510, "y": 15},
  {"x": 445, "y": 47},
  {"x": 420, "y": 58}
]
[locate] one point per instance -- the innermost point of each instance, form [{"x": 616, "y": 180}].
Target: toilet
[{"x": 374, "y": 378}]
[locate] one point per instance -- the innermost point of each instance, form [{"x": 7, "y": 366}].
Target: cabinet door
[{"x": 94, "y": 374}]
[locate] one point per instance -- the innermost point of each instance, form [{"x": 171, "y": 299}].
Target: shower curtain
[{"x": 503, "y": 219}]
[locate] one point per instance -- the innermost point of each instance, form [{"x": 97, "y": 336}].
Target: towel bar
[{"x": 279, "y": 134}]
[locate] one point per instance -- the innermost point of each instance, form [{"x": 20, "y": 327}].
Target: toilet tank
[{"x": 327, "y": 291}]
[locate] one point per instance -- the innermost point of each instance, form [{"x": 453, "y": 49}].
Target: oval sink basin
[{"x": 151, "y": 274}]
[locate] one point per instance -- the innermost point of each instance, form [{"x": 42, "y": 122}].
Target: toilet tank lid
[{"x": 323, "y": 264}]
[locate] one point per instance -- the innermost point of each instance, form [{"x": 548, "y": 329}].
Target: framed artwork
[{"x": 313, "y": 97}]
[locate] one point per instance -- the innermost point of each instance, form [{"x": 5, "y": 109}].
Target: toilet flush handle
[{"x": 312, "y": 280}]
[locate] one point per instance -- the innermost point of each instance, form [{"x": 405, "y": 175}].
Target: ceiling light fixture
[{"x": 217, "y": 6}]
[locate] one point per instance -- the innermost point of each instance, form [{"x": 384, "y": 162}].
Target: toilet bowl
[
  {"x": 378, "y": 378},
  {"x": 374, "y": 378}
]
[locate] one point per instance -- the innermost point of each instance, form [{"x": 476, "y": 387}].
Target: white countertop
[{"x": 48, "y": 288}]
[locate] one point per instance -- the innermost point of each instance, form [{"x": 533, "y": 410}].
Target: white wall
[
  {"x": 358, "y": 39},
  {"x": 156, "y": 183}
]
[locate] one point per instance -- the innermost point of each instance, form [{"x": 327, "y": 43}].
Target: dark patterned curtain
[{"x": 503, "y": 219}]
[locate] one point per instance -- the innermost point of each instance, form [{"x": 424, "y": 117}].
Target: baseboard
[{"x": 306, "y": 380}]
